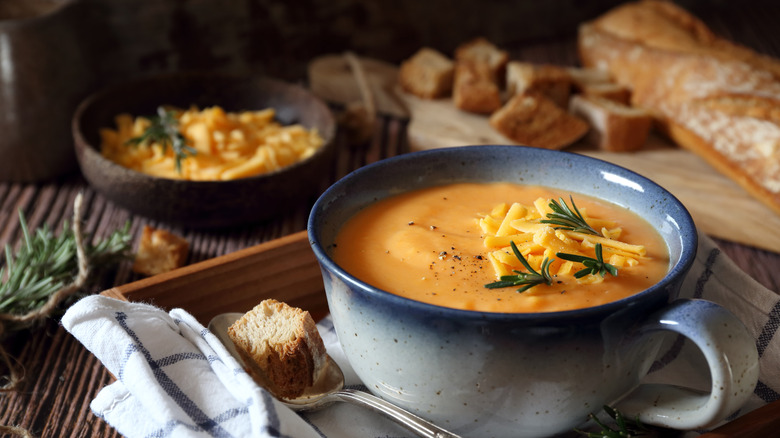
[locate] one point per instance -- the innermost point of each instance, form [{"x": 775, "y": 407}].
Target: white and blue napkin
[{"x": 175, "y": 378}]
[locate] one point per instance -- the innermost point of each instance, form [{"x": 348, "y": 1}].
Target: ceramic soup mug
[{"x": 484, "y": 374}]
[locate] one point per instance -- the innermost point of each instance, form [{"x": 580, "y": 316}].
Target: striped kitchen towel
[
  {"x": 715, "y": 277},
  {"x": 174, "y": 377}
]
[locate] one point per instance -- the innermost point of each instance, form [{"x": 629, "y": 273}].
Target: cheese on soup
[{"x": 443, "y": 245}]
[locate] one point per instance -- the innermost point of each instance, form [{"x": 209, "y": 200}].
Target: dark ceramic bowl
[
  {"x": 502, "y": 375},
  {"x": 204, "y": 204}
]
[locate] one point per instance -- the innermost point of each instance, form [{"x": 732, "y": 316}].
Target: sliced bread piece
[
  {"x": 281, "y": 347},
  {"x": 613, "y": 126},
  {"x": 534, "y": 120}
]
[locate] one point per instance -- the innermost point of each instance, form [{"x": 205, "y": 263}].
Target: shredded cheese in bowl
[{"x": 228, "y": 145}]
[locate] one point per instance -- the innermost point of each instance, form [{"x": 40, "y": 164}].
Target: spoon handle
[{"x": 419, "y": 426}]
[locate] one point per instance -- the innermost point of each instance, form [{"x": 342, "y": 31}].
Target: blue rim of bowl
[{"x": 688, "y": 254}]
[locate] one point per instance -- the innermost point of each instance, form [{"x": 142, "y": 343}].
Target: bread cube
[
  {"x": 427, "y": 74},
  {"x": 474, "y": 89},
  {"x": 533, "y": 119},
  {"x": 614, "y": 127},
  {"x": 550, "y": 80}
]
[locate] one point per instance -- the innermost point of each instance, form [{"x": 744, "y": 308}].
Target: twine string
[
  {"x": 359, "y": 117},
  {"x": 16, "y": 431},
  {"x": 16, "y": 371}
]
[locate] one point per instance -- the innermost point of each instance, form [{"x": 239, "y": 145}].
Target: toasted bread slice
[
  {"x": 281, "y": 347},
  {"x": 534, "y": 120},
  {"x": 613, "y": 126}
]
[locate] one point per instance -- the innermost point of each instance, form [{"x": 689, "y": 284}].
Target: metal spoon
[{"x": 330, "y": 388}]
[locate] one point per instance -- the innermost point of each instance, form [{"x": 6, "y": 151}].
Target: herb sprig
[
  {"x": 46, "y": 263},
  {"x": 625, "y": 427},
  {"x": 592, "y": 266},
  {"x": 164, "y": 130},
  {"x": 533, "y": 278},
  {"x": 525, "y": 279},
  {"x": 45, "y": 272},
  {"x": 566, "y": 218}
]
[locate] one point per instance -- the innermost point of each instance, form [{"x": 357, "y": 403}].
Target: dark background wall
[
  {"x": 126, "y": 38},
  {"x": 278, "y": 37}
]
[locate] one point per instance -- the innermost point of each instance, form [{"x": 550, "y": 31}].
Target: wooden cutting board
[{"x": 719, "y": 206}]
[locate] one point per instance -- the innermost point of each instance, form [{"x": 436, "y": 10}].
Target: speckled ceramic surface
[
  {"x": 203, "y": 204},
  {"x": 509, "y": 375}
]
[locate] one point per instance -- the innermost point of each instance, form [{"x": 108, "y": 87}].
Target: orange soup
[{"x": 432, "y": 245}]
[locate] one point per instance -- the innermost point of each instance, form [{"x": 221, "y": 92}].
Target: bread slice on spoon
[{"x": 280, "y": 348}]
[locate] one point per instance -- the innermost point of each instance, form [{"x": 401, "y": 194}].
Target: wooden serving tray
[{"x": 284, "y": 269}]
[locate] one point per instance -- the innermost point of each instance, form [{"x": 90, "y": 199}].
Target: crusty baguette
[
  {"x": 280, "y": 347},
  {"x": 712, "y": 96},
  {"x": 533, "y": 119},
  {"x": 427, "y": 74},
  {"x": 614, "y": 127}
]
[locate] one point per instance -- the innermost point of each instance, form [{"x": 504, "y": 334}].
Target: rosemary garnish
[
  {"x": 592, "y": 266},
  {"x": 525, "y": 279},
  {"x": 45, "y": 272},
  {"x": 532, "y": 278},
  {"x": 625, "y": 428},
  {"x": 46, "y": 263},
  {"x": 566, "y": 218},
  {"x": 164, "y": 130}
]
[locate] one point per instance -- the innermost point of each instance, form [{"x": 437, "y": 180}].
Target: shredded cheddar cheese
[
  {"x": 536, "y": 241},
  {"x": 229, "y": 145}
]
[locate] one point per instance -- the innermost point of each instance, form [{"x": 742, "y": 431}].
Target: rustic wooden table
[{"x": 62, "y": 377}]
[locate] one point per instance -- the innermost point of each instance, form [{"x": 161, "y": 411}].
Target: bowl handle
[{"x": 732, "y": 357}]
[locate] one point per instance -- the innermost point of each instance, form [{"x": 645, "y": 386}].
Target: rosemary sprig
[
  {"x": 625, "y": 428},
  {"x": 45, "y": 263},
  {"x": 592, "y": 266},
  {"x": 567, "y": 218},
  {"x": 164, "y": 129},
  {"x": 525, "y": 279}
]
